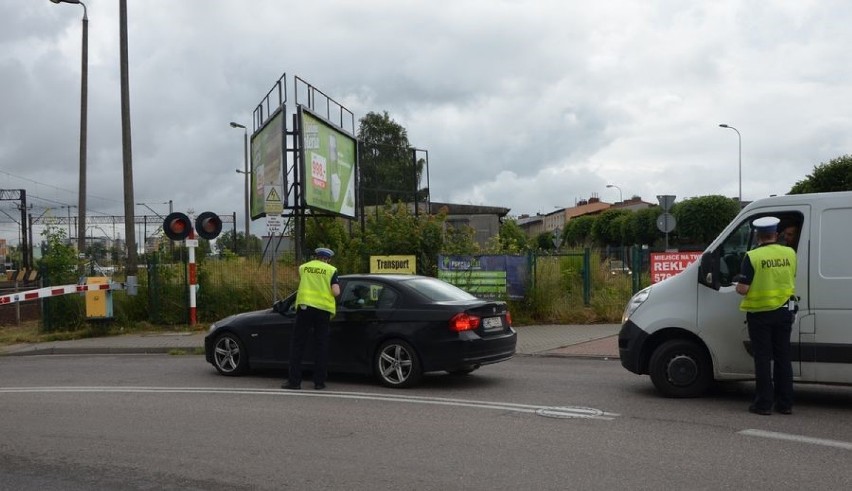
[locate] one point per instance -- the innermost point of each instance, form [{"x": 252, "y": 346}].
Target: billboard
[
  {"x": 267, "y": 168},
  {"x": 328, "y": 159},
  {"x": 667, "y": 264}
]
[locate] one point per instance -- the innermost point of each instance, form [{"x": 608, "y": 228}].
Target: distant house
[
  {"x": 633, "y": 204},
  {"x": 557, "y": 219}
]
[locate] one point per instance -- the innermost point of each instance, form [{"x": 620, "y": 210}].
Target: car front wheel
[
  {"x": 681, "y": 368},
  {"x": 229, "y": 355},
  {"x": 397, "y": 365}
]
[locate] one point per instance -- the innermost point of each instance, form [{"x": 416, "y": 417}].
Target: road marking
[
  {"x": 798, "y": 438},
  {"x": 548, "y": 411}
]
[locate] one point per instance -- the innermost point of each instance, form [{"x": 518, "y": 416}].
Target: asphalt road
[{"x": 170, "y": 422}]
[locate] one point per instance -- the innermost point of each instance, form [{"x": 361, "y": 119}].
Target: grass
[
  {"x": 31, "y": 332},
  {"x": 556, "y": 298}
]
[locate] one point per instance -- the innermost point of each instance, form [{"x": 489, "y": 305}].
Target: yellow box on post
[{"x": 98, "y": 302}]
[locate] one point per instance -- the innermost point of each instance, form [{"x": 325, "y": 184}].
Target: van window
[{"x": 742, "y": 239}]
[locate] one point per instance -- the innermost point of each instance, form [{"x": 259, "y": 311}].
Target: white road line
[
  {"x": 559, "y": 411},
  {"x": 798, "y": 438}
]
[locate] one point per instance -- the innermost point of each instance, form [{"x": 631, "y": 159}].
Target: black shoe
[
  {"x": 756, "y": 410},
  {"x": 784, "y": 410},
  {"x": 289, "y": 386},
  {"x": 319, "y": 386}
]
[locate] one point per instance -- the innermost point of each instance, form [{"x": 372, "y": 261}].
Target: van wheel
[{"x": 681, "y": 368}]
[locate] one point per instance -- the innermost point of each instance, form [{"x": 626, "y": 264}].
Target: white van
[{"x": 687, "y": 331}]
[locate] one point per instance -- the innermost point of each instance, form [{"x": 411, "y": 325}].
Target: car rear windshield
[{"x": 439, "y": 291}]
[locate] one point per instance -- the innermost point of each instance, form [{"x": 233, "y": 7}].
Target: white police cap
[
  {"x": 323, "y": 252},
  {"x": 766, "y": 224}
]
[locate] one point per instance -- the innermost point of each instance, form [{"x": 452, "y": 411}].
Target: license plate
[{"x": 490, "y": 323}]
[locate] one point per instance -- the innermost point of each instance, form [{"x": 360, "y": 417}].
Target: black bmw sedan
[{"x": 395, "y": 327}]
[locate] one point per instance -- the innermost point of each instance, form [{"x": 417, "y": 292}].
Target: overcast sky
[{"x": 525, "y": 104}]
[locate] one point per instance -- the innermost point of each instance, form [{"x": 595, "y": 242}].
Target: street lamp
[
  {"x": 740, "y": 145},
  {"x": 246, "y": 173},
  {"x": 620, "y": 196},
  {"x": 84, "y": 89}
]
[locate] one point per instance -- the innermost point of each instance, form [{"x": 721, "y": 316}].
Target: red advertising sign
[{"x": 665, "y": 264}]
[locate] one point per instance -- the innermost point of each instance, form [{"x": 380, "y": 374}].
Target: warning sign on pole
[{"x": 273, "y": 203}]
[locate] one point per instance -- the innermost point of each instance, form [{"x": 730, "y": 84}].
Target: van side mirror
[{"x": 708, "y": 270}]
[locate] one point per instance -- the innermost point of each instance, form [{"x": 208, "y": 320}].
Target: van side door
[
  {"x": 721, "y": 322},
  {"x": 829, "y": 347}
]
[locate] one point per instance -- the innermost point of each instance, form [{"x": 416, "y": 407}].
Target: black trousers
[
  {"x": 773, "y": 366},
  {"x": 307, "y": 320}
]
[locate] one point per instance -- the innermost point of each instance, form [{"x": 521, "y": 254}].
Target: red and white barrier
[{"x": 55, "y": 291}]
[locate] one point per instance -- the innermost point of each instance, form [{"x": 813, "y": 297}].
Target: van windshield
[{"x": 732, "y": 252}]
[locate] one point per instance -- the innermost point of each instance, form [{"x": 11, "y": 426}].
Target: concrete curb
[{"x": 558, "y": 341}]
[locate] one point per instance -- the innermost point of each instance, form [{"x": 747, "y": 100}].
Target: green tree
[
  {"x": 544, "y": 241},
  {"x": 59, "y": 261},
  {"x": 578, "y": 231},
  {"x": 645, "y": 221},
  {"x": 625, "y": 226},
  {"x": 510, "y": 240},
  {"x": 388, "y": 169},
  {"x": 59, "y": 266},
  {"x": 836, "y": 175},
  {"x": 606, "y": 229},
  {"x": 236, "y": 243},
  {"x": 700, "y": 219},
  {"x": 393, "y": 229}
]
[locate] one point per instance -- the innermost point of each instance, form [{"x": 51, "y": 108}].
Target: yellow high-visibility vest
[
  {"x": 315, "y": 286},
  {"x": 774, "y": 278}
]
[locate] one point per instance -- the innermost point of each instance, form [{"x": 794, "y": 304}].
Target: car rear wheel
[
  {"x": 397, "y": 364},
  {"x": 229, "y": 355},
  {"x": 681, "y": 368}
]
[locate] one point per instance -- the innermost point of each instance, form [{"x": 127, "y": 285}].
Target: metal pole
[
  {"x": 84, "y": 90},
  {"x": 127, "y": 153},
  {"x": 247, "y": 189},
  {"x": 620, "y": 195},
  {"x": 84, "y": 104},
  {"x": 740, "y": 153}
]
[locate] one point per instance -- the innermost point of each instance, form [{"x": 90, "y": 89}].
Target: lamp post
[
  {"x": 740, "y": 147},
  {"x": 84, "y": 90},
  {"x": 246, "y": 173},
  {"x": 620, "y": 196}
]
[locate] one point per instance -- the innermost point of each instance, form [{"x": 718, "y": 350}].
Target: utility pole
[{"x": 127, "y": 152}]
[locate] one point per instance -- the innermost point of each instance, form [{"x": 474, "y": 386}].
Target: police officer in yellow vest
[
  {"x": 768, "y": 284},
  {"x": 315, "y": 306}
]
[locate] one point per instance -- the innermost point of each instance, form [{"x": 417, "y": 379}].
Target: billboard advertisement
[
  {"x": 491, "y": 276},
  {"x": 328, "y": 159},
  {"x": 666, "y": 264},
  {"x": 267, "y": 168}
]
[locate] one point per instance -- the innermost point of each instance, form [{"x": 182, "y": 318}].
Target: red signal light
[
  {"x": 464, "y": 322},
  {"x": 177, "y": 226},
  {"x": 208, "y": 225}
]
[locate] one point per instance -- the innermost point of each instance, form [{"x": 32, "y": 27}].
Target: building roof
[{"x": 586, "y": 209}]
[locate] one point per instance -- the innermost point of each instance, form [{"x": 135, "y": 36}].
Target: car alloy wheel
[
  {"x": 397, "y": 364},
  {"x": 229, "y": 356}
]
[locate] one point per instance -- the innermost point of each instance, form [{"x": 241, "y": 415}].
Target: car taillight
[
  {"x": 464, "y": 322},
  {"x": 508, "y": 318}
]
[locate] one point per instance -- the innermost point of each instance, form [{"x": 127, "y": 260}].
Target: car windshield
[{"x": 439, "y": 291}]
